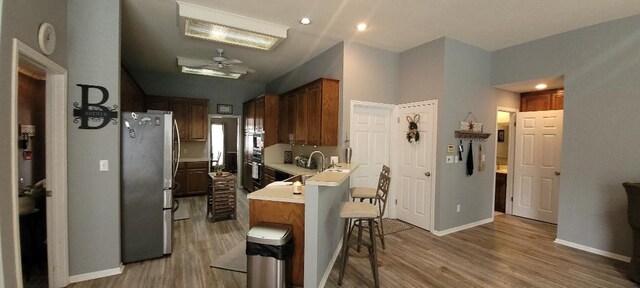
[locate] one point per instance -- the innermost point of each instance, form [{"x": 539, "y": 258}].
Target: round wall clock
[{"x": 47, "y": 38}]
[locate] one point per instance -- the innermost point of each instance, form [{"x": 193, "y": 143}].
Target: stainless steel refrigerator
[{"x": 148, "y": 166}]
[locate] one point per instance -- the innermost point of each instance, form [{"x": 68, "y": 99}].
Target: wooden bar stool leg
[
  {"x": 373, "y": 253},
  {"x": 381, "y": 232},
  {"x": 360, "y": 226},
  {"x": 345, "y": 249}
]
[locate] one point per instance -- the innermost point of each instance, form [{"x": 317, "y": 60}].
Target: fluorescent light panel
[
  {"x": 210, "y": 72},
  {"x": 214, "y": 25}
]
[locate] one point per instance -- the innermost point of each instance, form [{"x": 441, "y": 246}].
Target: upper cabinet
[
  {"x": 316, "y": 109},
  {"x": 542, "y": 100},
  {"x": 132, "y": 96},
  {"x": 261, "y": 117},
  {"x": 190, "y": 115}
]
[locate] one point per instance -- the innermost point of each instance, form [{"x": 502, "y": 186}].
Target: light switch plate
[
  {"x": 450, "y": 149},
  {"x": 104, "y": 165}
]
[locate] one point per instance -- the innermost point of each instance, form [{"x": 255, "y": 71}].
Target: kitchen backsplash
[
  {"x": 193, "y": 150},
  {"x": 275, "y": 153}
]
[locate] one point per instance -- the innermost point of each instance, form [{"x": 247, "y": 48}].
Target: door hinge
[
  {"x": 398, "y": 119},
  {"x": 396, "y": 202},
  {"x": 511, "y": 198}
]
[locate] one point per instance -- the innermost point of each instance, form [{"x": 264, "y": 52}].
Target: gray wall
[
  {"x": 601, "y": 65},
  {"x": 218, "y": 91},
  {"x": 371, "y": 75},
  {"x": 422, "y": 74},
  {"x": 94, "y": 196},
  {"x": 1, "y": 259},
  {"x": 20, "y": 19},
  {"x": 458, "y": 76}
]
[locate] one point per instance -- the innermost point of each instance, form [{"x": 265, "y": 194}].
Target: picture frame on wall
[
  {"x": 225, "y": 109},
  {"x": 501, "y": 135}
]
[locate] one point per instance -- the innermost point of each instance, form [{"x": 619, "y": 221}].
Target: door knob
[
  {"x": 557, "y": 173},
  {"x": 428, "y": 174}
]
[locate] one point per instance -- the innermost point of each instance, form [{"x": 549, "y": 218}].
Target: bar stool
[
  {"x": 359, "y": 212},
  {"x": 377, "y": 196}
]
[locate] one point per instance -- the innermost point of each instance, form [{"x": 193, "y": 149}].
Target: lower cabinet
[
  {"x": 192, "y": 178},
  {"x": 501, "y": 192},
  {"x": 247, "y": 180},
  {"x": 269, "y": 176}
]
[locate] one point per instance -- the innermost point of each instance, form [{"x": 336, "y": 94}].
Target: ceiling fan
[{"x": 218, "y": 63}]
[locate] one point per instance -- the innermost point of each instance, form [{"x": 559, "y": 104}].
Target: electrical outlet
[
  {"x": 450, "y": 158},
  {"x": 104, "y": 165},
  {"x": 450, "y": 149},
  {"x": 458, "y": 208}
]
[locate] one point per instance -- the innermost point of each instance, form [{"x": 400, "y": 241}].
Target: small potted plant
[{"x": 217, "y": 169}]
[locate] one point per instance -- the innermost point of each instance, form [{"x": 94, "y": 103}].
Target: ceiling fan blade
[
  {"x": 231, "y": 61},
  {"x": 220, "y": 59},
  {"x": 192, "y": 62},
  {"x": 241, "y": 69}
]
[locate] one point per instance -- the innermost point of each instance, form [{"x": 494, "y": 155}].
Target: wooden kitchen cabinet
[
  {"x": 191, "y": 115},
  {"x": 501, "y": 192},
  {"x": 542, "y": 100},
  {"x": 283, "y": 119},
  {"x": 156, "y": 103},
  {"x": 301, "y": 118},
  {"x": 198, "y": 122},
  {"x": 193, "y": 178},
  {"x": 313, "y": 115},
  {"x": 270, "y": 119},
  {"x": 131, "y": 95},
  {"x": 247, "y": 180},
  {"x": 269, "y": 176},
  {"x": 248, "y": 114}
]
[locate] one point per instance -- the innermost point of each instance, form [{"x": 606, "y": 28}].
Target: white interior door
[
  {"x": 416, "y": 173},
  {"x": 537, "y": 165},
  {"x": 370, "y": 128}
]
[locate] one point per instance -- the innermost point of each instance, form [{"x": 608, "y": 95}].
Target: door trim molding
[
  {"x": 391, "y": 211},
  {"x": 56, "y": 172},
  {"x": 239, "y": 143},
  {"x": 510, "y": 162},
  {"x": 434, "y": 153}
]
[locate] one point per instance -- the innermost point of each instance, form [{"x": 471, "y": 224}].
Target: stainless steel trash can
[{"x": 269, "y": 246}]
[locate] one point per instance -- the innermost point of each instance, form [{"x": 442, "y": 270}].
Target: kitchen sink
[{"x": 338, "y": 170}]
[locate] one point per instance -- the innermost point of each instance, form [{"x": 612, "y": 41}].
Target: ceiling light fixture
[
  {"x": 541, "y": 86},
  {"x": 214, "y": 25},
  {"x": 362, "y": 27},
  {"x": 210, "y": 72},
  {"x": 305, "y": 21}
]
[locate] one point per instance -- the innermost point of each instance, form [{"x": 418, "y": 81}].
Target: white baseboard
[
  {"x": 593, "y": 250},
  {"x": 96, "y": 275},
  {"x": 461, "y": 227},
  {"x": 325, "y": 277}
]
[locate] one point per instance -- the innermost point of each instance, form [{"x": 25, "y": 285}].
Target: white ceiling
[{"x": 151, "y": 39}]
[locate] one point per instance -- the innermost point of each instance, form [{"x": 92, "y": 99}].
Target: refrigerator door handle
[{"x": 175, "y": 124}]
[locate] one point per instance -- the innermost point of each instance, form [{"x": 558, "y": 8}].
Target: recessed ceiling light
[
  {"x": 210, "y": 72},
  {"x": 220, "y": 26},
  {"x": 305, "y": 21},
  {"x": 362, "y": 26},
  {"x": 541, "y": 86}
]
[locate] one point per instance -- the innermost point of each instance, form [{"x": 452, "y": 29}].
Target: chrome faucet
[{"x": 321, "y": 166}]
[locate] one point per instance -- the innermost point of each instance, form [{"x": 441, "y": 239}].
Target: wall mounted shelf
[{"x": 472, "y": 135}]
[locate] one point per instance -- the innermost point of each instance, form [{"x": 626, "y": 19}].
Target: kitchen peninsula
[{"x": 315, "y": 217}]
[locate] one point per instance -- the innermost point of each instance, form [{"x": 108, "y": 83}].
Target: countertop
[
  {"x": 194, "y": 159},
  {"x": 277, "y": 193},
  {"x": 291, "y": 169},
  {"x": 329, "y": 178}
]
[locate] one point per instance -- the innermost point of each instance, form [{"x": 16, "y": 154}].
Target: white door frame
[
  {"x": 400, "y": 125},
  {"x": 510, "y": 162},
  {"x": 239, "y": 147},
  {"x": 56, "y": 170},
  {"x": 392, "y": 109}
]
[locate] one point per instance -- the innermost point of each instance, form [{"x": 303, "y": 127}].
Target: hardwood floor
[{"x": 510, "y": 252}]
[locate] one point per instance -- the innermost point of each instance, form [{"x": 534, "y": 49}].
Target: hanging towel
[
  {"x": 470, "y": 159},
  {"x": 255, "y": 173}
]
